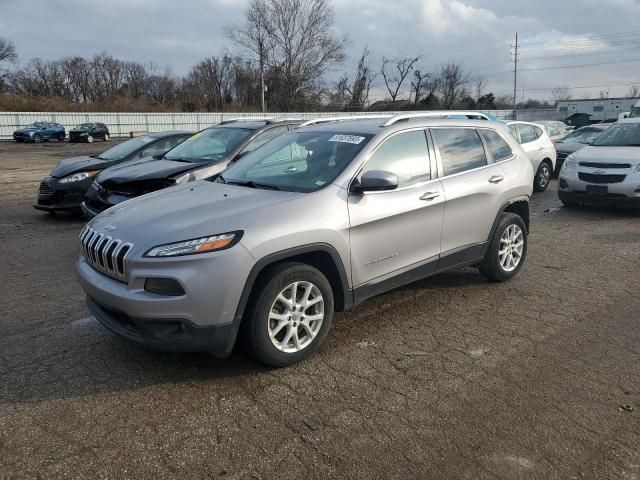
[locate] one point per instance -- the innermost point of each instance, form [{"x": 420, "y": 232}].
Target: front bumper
[
  {"x": 625, "y": 193},
  {"x": 204, "y": 318},
  {"x": 54, "y": 195},
  {"x": 22, "y": 137}
]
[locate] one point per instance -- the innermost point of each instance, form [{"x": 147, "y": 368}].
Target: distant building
[{"x": 600, "y": 109}]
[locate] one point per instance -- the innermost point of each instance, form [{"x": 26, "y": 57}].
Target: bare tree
[
  {"x": 7, "y": 55},
  {"x": 453, "y": 82},
  {"x": 356, "y": 93},
  {"x": 480, "y": 84},
  {"x": 423, "y": 85},
  {"x": 294, "y": 39},
  {"x": 561, "y": 94},
  {"x": 394, "y": 72}
]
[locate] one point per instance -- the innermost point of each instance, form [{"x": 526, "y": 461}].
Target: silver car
[
  {"x": 607, "y": 171},
  {"x": 315, "y": 221}
]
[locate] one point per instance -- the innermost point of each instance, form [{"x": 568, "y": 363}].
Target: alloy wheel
[
  {"x": 296, "y": 316},
  {"x": 544, "y": 176},
  {"x": 511, "y": 248}
]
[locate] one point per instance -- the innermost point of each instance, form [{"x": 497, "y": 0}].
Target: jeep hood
[
  {"x": 79, "y": 164},
  {"x": 189, "y": 211},
  {"x": 146, "y": 168},
  {"x": 629, "y": 155}
]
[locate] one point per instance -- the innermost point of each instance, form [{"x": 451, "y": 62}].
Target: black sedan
[
  {"x": 203, "y": 156},
  {"x": 88, "y": 132},
  {"x": 577, "y": 139},
  {"x": 65, "y": 186}
]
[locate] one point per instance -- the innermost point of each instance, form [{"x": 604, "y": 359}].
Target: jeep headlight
[
  {"x": 211, "y": 243},
  {"x": 77, "y": 177},
  {"x": 570, "y": 163}
]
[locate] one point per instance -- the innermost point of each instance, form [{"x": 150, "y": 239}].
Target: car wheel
[
  {"x": 507, "y": 249},
  {"x": 542, "y": 178},
  {"x": 61, "y": 137},
  {"x": 106, "y": 137},
  {"x": 37, "y": 138},
  {"x": 290, "y": 314},
  {"x": 89, "y": 139}
]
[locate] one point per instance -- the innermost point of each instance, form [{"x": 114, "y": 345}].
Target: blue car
[{"x": 40, "y": 132}]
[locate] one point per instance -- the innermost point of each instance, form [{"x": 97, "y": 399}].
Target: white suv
[
  {"x": 607, "y": 171},
  {"x": 539, "y": 148}
]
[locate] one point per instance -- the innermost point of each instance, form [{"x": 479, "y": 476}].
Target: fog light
[{"x": 167, "y": 287}]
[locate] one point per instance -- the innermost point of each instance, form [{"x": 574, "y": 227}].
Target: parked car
[
  {"x": 635, "y": 111},
  {"x": 562, "y": 127},
  {"x": 88, "y": 132},
  {"x": 552, "y": 131},
  {"x": 607, "y": 171},
  {"x": 65, "y": 186},
  {"x": 575, "y": 140},
  {"x": 317, "y": 220},
  {"x": 204, "y": 155},
  {"x": 540, "y": 149},
  {"x": 40, "y": 132}
]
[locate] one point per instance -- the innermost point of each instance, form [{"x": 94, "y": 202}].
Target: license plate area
[{"x": 597, "y": 189}]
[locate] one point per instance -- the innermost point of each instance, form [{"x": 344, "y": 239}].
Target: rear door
[
  {"x": 473, "y": 188},
  {"x": 399, "y": 230}
]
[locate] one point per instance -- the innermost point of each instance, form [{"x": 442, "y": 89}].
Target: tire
[
  {"x": 37, "y": 138},
  {"x": 496, "y": 267},
  {"x": 89, "y": 139},
  {"x": 61, "y": 137},
  {"x": 275, "y": 283},
  {"x": 106, "y": 137},
  {"x": 543, "y": 177}
]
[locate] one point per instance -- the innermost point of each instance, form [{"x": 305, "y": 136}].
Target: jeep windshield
[
  {"x": 209, "y": 145},
  {"x": 297, "y": 161},
  {"x": 619, "y": 135}
]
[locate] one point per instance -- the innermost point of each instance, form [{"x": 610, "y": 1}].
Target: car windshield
[
  {"x": 635, "y": 112},
  {"x": 35, "y": 125},
  {"x": 619, "y": 135},
  {"x": 297, "y": 161},
  {"x": 209, "y": 145},
  {"x": 84, "y": 126},
  {"x": 584, "y": 135},
  {"x": 126, "y": 148}
]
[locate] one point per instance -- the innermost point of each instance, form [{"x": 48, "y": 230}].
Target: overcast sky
[{"x": 478, "y": 33}]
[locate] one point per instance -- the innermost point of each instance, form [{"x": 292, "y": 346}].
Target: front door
[{"x": 399, "y": 230}]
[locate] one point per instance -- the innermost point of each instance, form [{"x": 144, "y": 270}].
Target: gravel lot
[{"x": 452, "y": 377}]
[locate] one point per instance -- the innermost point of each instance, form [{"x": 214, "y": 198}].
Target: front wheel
[
  {"x": 507, "y": 249},
  {"x": 90, "y": 139},
  {"x": 290, "y": 314},
  {"x": 37, "y": 138},
  {"x": 542, "y": 178}
]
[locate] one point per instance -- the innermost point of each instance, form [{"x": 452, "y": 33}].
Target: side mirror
[{"x": 375, "y": 181}]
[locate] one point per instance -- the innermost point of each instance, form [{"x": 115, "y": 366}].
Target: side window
[
  {"x": 264, "y": 137},
  {"x": 514, "y": 132},
  {"x": 406, "y": 155},
  {"x": 496, "y": 145},
  {"x": 527, "y": 134},
  {"x": 460, "y": 149}
]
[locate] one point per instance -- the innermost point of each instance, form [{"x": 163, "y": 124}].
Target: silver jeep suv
[{"x": 315, "y": 221}]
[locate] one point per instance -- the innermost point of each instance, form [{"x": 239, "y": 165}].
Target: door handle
[
  {"x": 496, "y": 179},
  {"x": 429, "y": 196}
]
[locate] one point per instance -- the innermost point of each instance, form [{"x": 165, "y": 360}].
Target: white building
[{"x": 600, "y": 109}]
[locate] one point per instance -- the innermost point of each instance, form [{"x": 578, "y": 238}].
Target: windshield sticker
[
  {"x": 347, "y": 139},
  {"x": 319, "y": 183}
]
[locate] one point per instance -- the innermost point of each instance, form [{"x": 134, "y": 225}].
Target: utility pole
[
  {"x": 515, "y": 76},
  {"x": 262, "y": 74}
]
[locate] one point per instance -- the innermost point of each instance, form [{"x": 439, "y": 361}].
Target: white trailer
[{"x": 600, "y": 109}]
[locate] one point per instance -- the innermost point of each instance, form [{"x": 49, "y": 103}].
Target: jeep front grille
[{"x": 106, "y": 254}]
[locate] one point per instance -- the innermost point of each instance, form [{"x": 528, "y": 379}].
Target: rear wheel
[
  {"x": 61, "y": 137},
  {"x": 543, "y": 177},
  {"x": 37, "y": 138},
  {"x": 290, "y": 314},
  {"x": 106, "y": 137},
  {"x": 507, "y": 249}
]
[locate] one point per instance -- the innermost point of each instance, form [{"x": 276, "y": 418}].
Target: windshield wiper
[
  {"x": 177, "y": 160},
  {"x": 251, "y": 184}
]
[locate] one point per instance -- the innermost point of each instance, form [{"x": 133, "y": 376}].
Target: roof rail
[
  {"x": 276, "y": 120},
  {"x": 438, "y": 114},
  {"x": 245, "y": 119},
  {"x": 315, "y": 121}
]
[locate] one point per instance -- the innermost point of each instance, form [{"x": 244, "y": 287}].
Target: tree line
[{"x": 285, "y": 49}]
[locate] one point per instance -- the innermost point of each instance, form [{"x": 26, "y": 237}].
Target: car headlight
[
  {"x": 211, "y": 243},
  {"x": 77, "y": 177},
  {"x": 570, "y": 163}
]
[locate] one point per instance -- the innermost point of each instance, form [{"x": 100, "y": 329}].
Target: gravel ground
[{"x": 451, "y": 377}]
